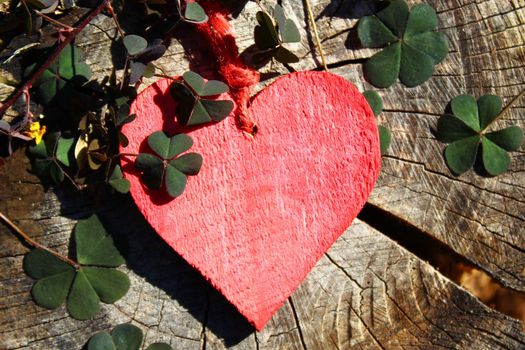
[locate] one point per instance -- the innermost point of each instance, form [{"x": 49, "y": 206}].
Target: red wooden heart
[{"x": 263, "y": 210}]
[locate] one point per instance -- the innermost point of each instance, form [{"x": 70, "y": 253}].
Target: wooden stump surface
[{"x": 367, "y": 291}]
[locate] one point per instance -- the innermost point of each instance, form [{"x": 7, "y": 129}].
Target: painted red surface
[{"x": 263, "y": 210}]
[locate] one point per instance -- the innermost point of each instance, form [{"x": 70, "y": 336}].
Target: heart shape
[{"x": 263, "y": 210}]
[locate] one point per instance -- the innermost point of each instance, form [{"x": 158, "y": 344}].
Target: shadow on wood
[{"x": 149, "y": 257}]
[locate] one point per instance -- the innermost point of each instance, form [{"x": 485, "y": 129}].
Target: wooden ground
[{"x": 367, "y": 291}]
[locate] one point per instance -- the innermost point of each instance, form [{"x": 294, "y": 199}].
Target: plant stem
[
  {"x": 316, "y": 34},
  {"x": 506, "y": 108},
  {"x": 125, "y": 155},
  {"x": 54, "y": 21},
  {"x": 115, "y": 19},
  {"x": 29, "y": 83},
  {"x": 35, "y": 244},
  {"x": 164, "y": 76}
]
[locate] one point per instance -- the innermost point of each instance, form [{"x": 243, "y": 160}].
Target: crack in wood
[
  {"x": 297, "y": 323},
  {"x": 204, "y": 339},
  {"x": 423, "y": 245}
]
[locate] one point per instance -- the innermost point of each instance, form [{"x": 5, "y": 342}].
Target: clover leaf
[
  {"x": 195, "y": 102},
  {"x": 466, "y": 131},
  {"x": 118, "y": 182},
  {"x": 166, "y": 166},
  {"x": 123, "y": 337},
  {"x": 412, "y": 47},
  {"x": 82, "y": 285},
  {"x": 376, "y": 104},
  {"x": 66, "y": 73},
  {"x": 271, "y": 33},
  {"x": 141, "y": 54},
  {"x": 194, "y": 13},
  {"x": 52, "y": 155},
  {"x": 43, "y": 6}
]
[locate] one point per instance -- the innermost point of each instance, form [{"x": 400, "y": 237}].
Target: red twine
[{"x": 238, "y": 76}]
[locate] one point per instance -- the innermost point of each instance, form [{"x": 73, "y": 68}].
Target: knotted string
[{"x": 239, "y": 77}]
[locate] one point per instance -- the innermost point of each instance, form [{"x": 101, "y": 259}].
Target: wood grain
[{"x": 367, "y": 292}]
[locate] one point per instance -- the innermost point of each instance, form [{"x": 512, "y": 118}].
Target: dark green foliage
[
  {"x": 376, "y": 104},
  {"x": 123, "y": 337},
  {"x": 93, "y": 280},
  {"x": 141, "y": 54},
  {"x": 196, "y": 102},
  {"x": 194, "y": 13},
  {"x": 52, "y": 156},
  {"x": 466, "y": 131},
  {"x": 271, "y": 34},
  {"x": 412, "y": 47},
  {"x": 63, "y": 77},
  {"x": 118, "y": 182},
  {"x": 166, "y": 166}
]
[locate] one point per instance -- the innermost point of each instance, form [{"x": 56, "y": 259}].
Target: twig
[
  {"x": 35, "y": 244},
  {"x": 125, "y": 155},
  {"x": 114, "y": 16},
  {"x": 507, "y": 107},
  {"x": 29, "y": 83},
  {"x": 316, "y": 34},
  {"x": 164, "y": 76},
  {"x": 54, "y": 21}
]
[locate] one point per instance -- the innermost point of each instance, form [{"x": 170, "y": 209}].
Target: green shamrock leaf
[
  {"x": 66, "y": 73},
  {"x": 134, "y": 44},
  {"x": 118, "y": 182},
  {"x": 52, "y": 155},
  {"x": 141, "y": 54},
  {"x": 271, "y": 34},
  {"x": 194, "y": 13},
  {"x": 466, "y": 131},
  {"x": 195, "y": 100},
  {"x": 84, "y": 285},
  {"x": 167, "y": 167},
  {"x": 376, "y": 104},
  {"x": 412, "y": 47},
  {"x": 123, "y": 337}
]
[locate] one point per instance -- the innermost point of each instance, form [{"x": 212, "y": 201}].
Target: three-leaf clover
[
  {"x": 141, "y": 54},
  {"x": 466, "y": 130},
  {"x": 66, "y": 73},
  {"x": 412, "y": 47},
  {"x": 167, "y": 167},
  {"x": 92, "y": 280},
  {"x": 376, "y": 104},
  {"x": 52, "y": 155},
  {"x": 271, "y": 33},
  {"x": 195, "y": 100},
  {"x": 123, "y": 337}
]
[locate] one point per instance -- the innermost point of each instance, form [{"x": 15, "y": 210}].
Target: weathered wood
[{"x": 367, "y": 292}]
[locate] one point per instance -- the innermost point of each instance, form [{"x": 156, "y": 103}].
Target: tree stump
[{"x": 368, "y": 291}]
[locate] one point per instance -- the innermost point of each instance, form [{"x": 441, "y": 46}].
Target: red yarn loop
[{"x": 239, "y": 77}]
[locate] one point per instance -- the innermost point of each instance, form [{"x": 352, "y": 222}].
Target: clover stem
[
  {"x": 316, "y": 34},
  {"x": 114, "y": 16},
  {"x": 54, "y": 21},
  {"x": 507, "y": 107},
  {"x": 73, "y": 182},
  {"x": 125, "y": 155},
  {"x": 164, "y": 76},
  {"x": 69, "y": 38},
  {"x": 35, "y": 244}
]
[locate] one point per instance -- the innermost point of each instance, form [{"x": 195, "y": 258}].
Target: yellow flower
[{"x": 36, "y": 131}]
